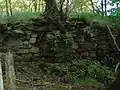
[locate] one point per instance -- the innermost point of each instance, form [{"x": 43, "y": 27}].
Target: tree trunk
[
  {"x": 10, "y": 73},
  {"x": 54, "y": 14},
  {"x": 51, "y": 8},
  {"x": 105, "y": 7},
  {"x": 7, "y": 10},
  {"x": 35, "y": 5},
  {"x": 39, "y": 5},
  {"x": 1, "y": 78},
  {"x": 102, "y": 7},
  {"x": 92, "y": 4},
  {"x": 10, "y": 7}
]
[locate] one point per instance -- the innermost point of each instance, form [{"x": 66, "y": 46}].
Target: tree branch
[{"x": 115, "y": 43}]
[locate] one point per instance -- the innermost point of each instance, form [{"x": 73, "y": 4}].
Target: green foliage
[
  {"x": 91, "y": 82},
  {"x": 115, "y": 1},
  {"x": 83, "y": 72},
  {"x": 88, "y": 69},
  {"x": 79, "y": 15},
  {"x": 19, "y": 16},
  {"x": 90, "y": 17}
]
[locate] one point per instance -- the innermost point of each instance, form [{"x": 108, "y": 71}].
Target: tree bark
[
  {"x": 55, "y": 15},
  {"x": 10, "y": 73},
  {"x": 105, "y": 7},
  {"x": 7, "y": 9},
  {"x": 10, "y": 6},
  {"x": 102, "y": 7},
  {"x": 51, "y": 8},
  {"x": 92, "y": 4},
  {"x": 35, "y": 5},
  {"x": 1, "y": 78}
]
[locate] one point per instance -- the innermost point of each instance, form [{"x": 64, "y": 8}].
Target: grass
[{"x": 17, "y": 16}]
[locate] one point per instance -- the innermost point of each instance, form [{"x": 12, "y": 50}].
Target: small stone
[
  {"x": 26, "y": 57},
  {"x": 57, "y": 32},
  {"x": 25, "y": 42},
  {"x": 28, "y": 32},
  {"x": 34, "y": 35},
  {"x": 28, "y": 46},
  {"x": 14, "y": 42},
  {"x": 17, "y": 57},
  {"x": 23, "y": 38},
  {"x": 92, "y": 34},
  {"x": 9, "y": 28},
  {"x": 32, "y": 40},
  {"x": 22, "y": 51},
  {"x": 37, "y": 55},
  {"x": 18, "y": 31},
  {"x": 28, "y": 37},
  {"x": 34, "y": 50},
  {"x": 49, "y": 36},
  {"x": 75, "y": 46}
]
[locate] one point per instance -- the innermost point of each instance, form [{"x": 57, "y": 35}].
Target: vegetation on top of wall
[{"x": 18, "y": 16}]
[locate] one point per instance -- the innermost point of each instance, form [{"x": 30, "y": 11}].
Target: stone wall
[
  {"x": 20, "y": 41},
  {"x": 91, "y": 42}
]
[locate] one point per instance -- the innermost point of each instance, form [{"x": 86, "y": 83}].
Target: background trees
[{"x": 10, "y": 6}]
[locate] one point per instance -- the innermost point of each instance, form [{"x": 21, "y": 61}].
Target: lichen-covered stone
[
  {"x": 49, "y": 36},
  {"x": 22, "y": 51},
  {"x": 25, "y": 42},
  {"x": 28, "y": 33},
  {"x": 34, "y": 50},
  {"x": 75, "y": 45},
  {"x": 23, "y": 38},
  {"x": 18, "y": 31},
  {"x": 26, "y": 57},
  {"x": 28, "y": 37},
  {"x": 34, "y": 35},
  {"x": 14, "y": 42},
  {"x": 32, "y": 40},
  {"x": 37, "y": 55}
]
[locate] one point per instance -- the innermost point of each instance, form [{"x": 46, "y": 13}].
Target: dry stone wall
[
  {"x": 89, "y": 42},
  {"x": 21, "y": 42}
]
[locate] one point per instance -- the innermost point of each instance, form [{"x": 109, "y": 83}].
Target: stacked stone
[{"x": 20, "y": 41}]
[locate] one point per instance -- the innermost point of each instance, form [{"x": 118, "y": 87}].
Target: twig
[
  {"x": 113, "y": 38},
  {"x": 33, "y": 84},
  {"x": 117, "y": 67},
  {"x": 115, "y": 45},
  {"x": 23, "y": 81}
]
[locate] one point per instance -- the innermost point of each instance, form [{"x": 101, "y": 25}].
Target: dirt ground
[{"x": 30, "y": 77}]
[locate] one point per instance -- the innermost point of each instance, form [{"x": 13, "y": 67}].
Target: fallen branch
[
  {"x": 113, "y": 38},
  {"x": 115, "y": 43},
  {"x": 23, "y": 81}
]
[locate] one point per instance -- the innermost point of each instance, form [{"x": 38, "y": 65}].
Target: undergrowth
[
  {"x": 77, "y": 73},
  {"x": 81, "y": 72}
]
